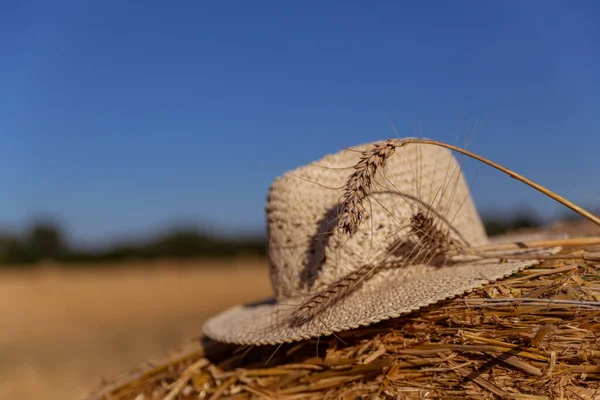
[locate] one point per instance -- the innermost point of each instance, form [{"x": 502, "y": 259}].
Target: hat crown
[{"x": 307, "y": 250}]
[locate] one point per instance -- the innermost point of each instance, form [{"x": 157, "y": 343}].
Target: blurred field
[{"x": 62, "y": 330}]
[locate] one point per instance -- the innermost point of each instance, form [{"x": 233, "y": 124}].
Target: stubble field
[{"x": 62, "y": 330}]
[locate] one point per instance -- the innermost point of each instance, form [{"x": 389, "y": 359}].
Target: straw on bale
[{"x": 532, "y": 336}]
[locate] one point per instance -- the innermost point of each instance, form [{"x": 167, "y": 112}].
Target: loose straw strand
[{"x": 567, "y": 203}]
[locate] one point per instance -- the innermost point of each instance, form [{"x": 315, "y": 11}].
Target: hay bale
[{"x": 531, "y": 336}]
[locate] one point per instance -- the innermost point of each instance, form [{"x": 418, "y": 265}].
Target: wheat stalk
[
  {"x": 426, "y": 241},
  {"x": 358, "y": 187}
]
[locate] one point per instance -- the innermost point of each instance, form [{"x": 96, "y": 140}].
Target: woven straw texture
[{"x": 307, "y": 253}]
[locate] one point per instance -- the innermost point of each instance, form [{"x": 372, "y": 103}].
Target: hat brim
[{"x": 266, "y": 323}]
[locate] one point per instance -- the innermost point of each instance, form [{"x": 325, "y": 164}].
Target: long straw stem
[
  {"x": 571, "y": 242},
  {"x": 567, "y": 203}
]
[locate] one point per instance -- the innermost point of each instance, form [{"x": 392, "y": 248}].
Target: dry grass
[
  {"x": 63, "y": 330},
  {"x": 531, "y": 336}
]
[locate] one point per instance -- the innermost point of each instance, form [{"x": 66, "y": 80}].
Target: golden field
[{"x": 62, "y": 330}]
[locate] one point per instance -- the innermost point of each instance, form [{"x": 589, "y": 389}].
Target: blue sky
[{"x": 120, "y": 119}]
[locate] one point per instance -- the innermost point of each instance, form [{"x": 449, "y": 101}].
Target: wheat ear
[
  {"x": 358, "y": 186},
  {"x": 334, "y": 292}
]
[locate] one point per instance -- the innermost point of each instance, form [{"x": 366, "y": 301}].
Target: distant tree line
[
  {"x": 45, "y": 241},
  {"x": 499, "y": 225}
]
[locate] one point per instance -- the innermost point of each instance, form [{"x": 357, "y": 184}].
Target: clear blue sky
[{"x": 121, "y": 118}]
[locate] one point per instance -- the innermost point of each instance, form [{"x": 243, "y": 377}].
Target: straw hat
[{"x": 309, "y": 254}]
